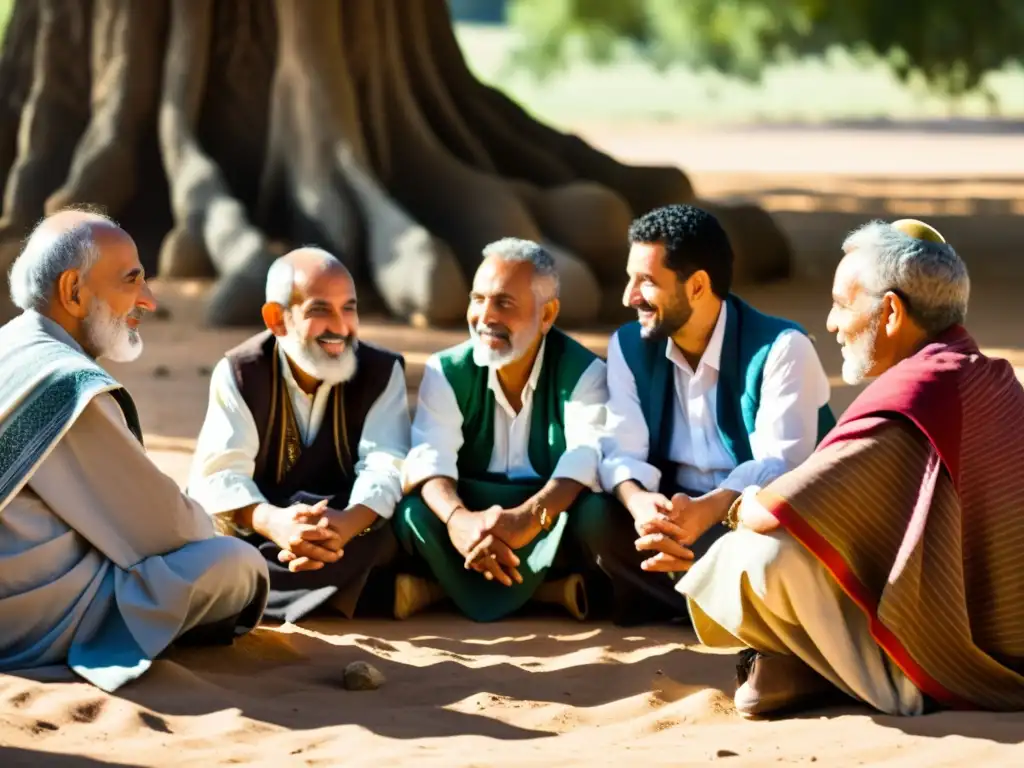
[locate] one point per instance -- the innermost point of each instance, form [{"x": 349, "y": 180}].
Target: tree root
[
  {"x": 54, "y": 116},
  {"x": 202, "y": 204},
  {"x": 355, "y": 125},
  {"x": 311, "y": 111},
  {"x": 127, "y": 49},
  {"x": 16, "y": 60}
]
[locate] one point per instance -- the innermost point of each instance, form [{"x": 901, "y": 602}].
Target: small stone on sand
[
  {"x": 361, "y": 676},
  {"x": 161, "y": 372}
]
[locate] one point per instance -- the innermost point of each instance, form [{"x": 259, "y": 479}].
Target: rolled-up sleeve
[
  {"x": 584, "y": 418},
  {"x": 436, "y": 430},
  {"x": 221, "y": 477},
  {"x": 383, "y": 446},
  {"x": 626, "y": 439}
]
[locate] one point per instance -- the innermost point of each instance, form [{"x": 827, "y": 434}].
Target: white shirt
[
  {"x": 785, "y": 432},
  {"x": 437, "y": 428},
  {"x": 221, "y": 475}
]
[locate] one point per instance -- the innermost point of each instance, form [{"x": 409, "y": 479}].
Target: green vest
[
  {"x": 564, "y": 362},
  {"x": 749, "y": 336}
]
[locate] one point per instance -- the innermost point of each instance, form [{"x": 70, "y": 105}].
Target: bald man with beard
[
  {"x": 301, "y": 451},
  {"x": 103, "y": 561}
]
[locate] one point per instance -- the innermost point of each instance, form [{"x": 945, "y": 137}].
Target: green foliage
[{"x": 952, "y": 44}]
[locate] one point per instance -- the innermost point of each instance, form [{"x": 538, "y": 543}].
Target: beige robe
[{"x": 100, "y": 541}]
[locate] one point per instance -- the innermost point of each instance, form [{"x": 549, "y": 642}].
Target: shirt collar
[{"x": 712, "y": 357}]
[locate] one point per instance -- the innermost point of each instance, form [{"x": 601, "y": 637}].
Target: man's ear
[
  {"x": 273, "y": 316},
  {"x": 894, "y": 310},
  {"x": 549, "y": 314},
  {"x": 698, "y": 285},
  {"x": 70, "y": 293}
]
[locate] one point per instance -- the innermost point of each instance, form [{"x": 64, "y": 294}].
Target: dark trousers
[
  {"x": 607, "y": 536},
  {"x": 360, "y": 577}
]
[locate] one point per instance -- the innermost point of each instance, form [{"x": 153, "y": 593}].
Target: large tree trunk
[{"x": 223, "y": 132}]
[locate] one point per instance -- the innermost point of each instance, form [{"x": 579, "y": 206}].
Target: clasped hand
[
  {"x": 487, "y": 540},
  {"x": 668, "y": 528},
  {"x": 304, "y": 535}
]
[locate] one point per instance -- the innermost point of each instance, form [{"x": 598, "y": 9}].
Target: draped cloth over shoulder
[
  {"x": 45, "y": 386},
  {"x": 103, "y": 561},
  {"x": 925, "y": 535}
]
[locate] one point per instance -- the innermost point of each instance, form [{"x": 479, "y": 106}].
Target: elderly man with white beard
[
  {"x": 505, "y": 449},
  {"x": 301, "y": 450},
  {"x": 103, "y": 561},
  {"x": 887, "y": 565}
]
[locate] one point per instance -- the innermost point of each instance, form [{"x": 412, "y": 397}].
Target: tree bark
[{"x": 350, "y": 124}]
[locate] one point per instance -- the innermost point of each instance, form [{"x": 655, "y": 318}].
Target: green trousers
[{"x": 424, "y": 536}]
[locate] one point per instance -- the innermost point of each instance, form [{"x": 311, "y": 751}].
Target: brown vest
[{"x": 326, "y": 468}]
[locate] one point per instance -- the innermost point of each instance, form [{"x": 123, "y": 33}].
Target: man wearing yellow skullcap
[{"x": 887, "y": 565}]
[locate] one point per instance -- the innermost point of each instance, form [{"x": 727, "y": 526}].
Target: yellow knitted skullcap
[{"x": 918, "y": 230}]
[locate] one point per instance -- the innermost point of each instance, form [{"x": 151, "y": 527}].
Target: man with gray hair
[
  {"x": 505, "y": 449},
  {"x": 103, "y": 561},
  {"x": 887, "y": 566},
  {"x": 301, "y": 450}
]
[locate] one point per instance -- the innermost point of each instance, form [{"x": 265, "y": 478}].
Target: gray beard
[
  {"x": 485, "y": 357},
  {"x": 311, "y": 359},
  {"x": 108, "y": 336}
]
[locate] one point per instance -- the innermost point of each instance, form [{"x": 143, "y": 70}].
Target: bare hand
[
  {"x": 516, "y": 527},
  {"x": 470, "y": 535},
  {"x": 495, "y": 560},
  {"x": 645, "y": 506},
  {"x": 669, "y": 555},
  {"x": 688, "y": 521},
  {"x": 303, "y": 535},
  {"x": 466, "y": 529}
]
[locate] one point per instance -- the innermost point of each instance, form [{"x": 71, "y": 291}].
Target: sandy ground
[{"x": 537, "y": 690}]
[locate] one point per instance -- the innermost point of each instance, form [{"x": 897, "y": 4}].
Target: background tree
[
  {"x": 951, "y": 44},
  {"x": 223, "y": 132}
]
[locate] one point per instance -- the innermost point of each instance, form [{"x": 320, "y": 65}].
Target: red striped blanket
[{"x": 915, "y": 504}]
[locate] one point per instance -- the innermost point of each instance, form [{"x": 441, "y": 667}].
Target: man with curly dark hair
[{"x": 707, "y": 397}]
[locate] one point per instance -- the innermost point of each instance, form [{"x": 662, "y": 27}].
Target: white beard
[
  {"x": 314, "y": 361},
  {"x": 858, "y": 353},
  {"x": 109, "y": 336},
  {"x": 496, "y": 359}
]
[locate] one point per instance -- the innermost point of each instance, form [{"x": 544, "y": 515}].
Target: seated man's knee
[
  {"x": 233, "y": 563},
  {"x": 596, "y": 521},
  {"x": 413, "y": 512},
  {"x": 413, "y": 521}
]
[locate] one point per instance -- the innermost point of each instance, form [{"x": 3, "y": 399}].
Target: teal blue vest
[
  {"x": 565, "y": 361},
  {"x": 749, "y": 336}
]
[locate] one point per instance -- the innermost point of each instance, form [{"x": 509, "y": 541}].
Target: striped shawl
[{"x": 915, "y": 504}]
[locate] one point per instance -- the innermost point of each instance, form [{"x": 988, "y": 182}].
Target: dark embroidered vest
[{"x": 326, "y": 467}]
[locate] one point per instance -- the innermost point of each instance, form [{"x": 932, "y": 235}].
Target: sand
[{"x": 536, "y": 690}]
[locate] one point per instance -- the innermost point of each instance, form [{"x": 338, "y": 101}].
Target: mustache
[
  {"x": 499, "y": 331},
  {"x": 644, "y": 306},
  {"x": 330, "y": 338}
]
